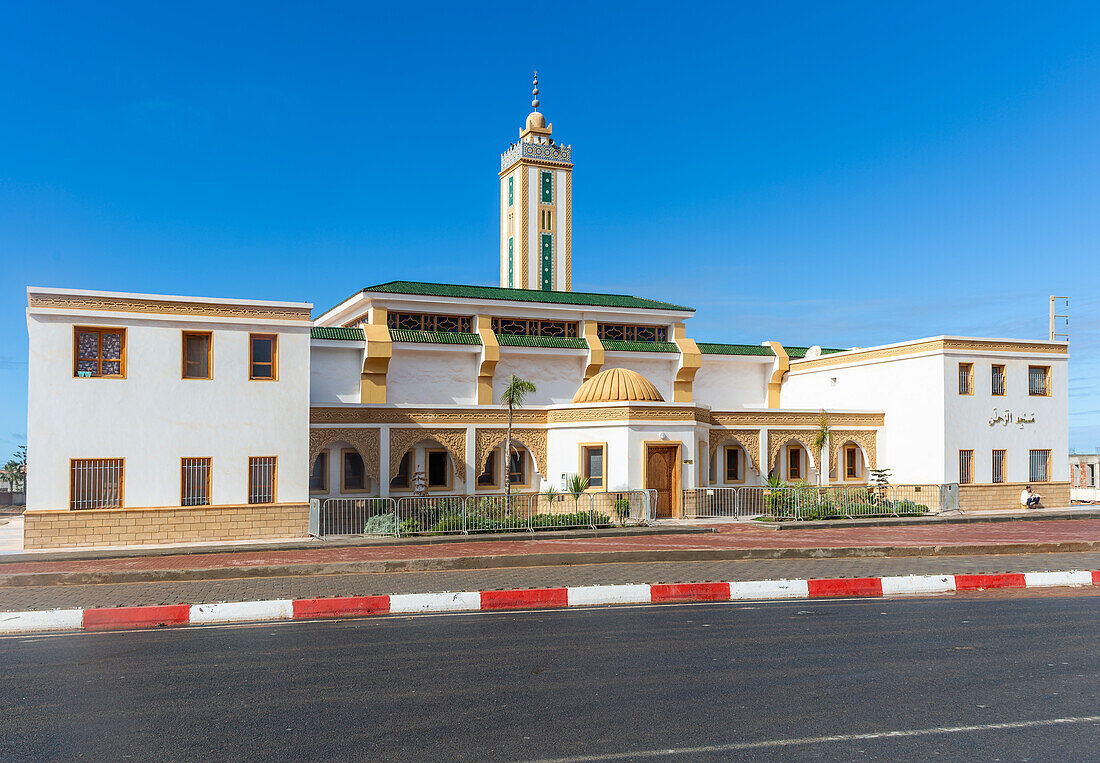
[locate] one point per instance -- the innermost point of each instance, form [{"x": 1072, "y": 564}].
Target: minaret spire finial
[{"x": 535, "y": 92}]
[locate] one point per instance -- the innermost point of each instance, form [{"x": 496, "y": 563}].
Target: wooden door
[{"x": 661, "y": 474}]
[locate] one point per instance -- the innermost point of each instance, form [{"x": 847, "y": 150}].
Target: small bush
[{"x": 381, "y": 524}]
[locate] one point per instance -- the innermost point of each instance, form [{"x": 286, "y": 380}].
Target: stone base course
[
  {"x": 1005, "y": 496},
  {"x": 176, "y": 524}
]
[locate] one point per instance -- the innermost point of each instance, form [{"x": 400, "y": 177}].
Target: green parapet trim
[
  {"x": 720, "y": 348},
  {"x": 800, "y": 352},
  {"x": 434, "y": 337},
  {"x": 457, "y": 291},
  {"x": 508, "y": 340},
  {"x": 336, "y": 332},
  {"x": 622, "y": 345}
]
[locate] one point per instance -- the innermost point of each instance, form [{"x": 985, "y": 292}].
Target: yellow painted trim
[
  {"x": 691, "y": 360},
  {"x": 376, "y": 359},
  {"x": 490, "y": 356},
  {"x": 782, "y": 366},
  {"x": 595, "y": 350},
  {"x": 931, "y": 345}
]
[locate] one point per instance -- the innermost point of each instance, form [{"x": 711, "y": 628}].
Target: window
[
  {"x": 966, "y": 378},
  {"x": 999, "y": 465},
  {"x": 524, "y": 327},
  {"x": 401, "y": 480},
  {"x": 194, "y": 482},
  {"x": 318, "y": 477},
  {"x": 353, "y": 476},
  {"x": 438, "y": 473},
  {"x": 546, "y": 220},
  {"x": 794, "y": 463},
  {"x": 632, "y": 333},
  {"x": 488, "y": 478},
  {"x": 95, "y": 483},
  {"x": 1092, "y": 476},
  {"x": 1038, "y": 380},
  {"x": 263, "y": 352},
  {"x": 261, "y": 479},
  {"x": 517, "y": 467},
  {"x": 592, "y": 465},
  {"x": 99, "y": 353},
  {"x": 712, "y": 469},
  {"x": 851, "y": 462},
  {"x": 733, "y": 464},
  {"x": 444, "y": 324},
  {"x": 998, "y": 380},
  {"x": 966, "y": 467},
  {"x": 1039, "y": 463},
  {"x": 196, "y": 354}
]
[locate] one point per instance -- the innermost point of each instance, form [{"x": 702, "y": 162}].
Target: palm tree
[
  {"x": 513, "y": 396},
  {"x": 821, "y": 439}
]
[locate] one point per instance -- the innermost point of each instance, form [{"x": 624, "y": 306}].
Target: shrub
[{"x": 381, "y": 524}]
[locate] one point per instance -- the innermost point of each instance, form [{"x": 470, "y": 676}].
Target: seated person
[{"x": 1028, "y": 498}]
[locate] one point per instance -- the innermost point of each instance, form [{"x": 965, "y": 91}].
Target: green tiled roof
[
  {"x": 523, "y": 295},
  {"x": 714, "y": 348},
  {"x": 508, "y": 340},
  {"x": 334, "y": 332},
  {"x": 800, "y": 352},
  {"x": 433, "y": 337},
  {"x": 622, "y": 345}
]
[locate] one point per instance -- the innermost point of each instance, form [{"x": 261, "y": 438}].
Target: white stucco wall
[
  {"x": 335, "y": 368},
  {"x": 725, "y": 382},
  {"x": 556, "y": 374},
  {"x": 152, "y": 418},
  {"x": 438, "y": 376},
  {"x": 659, "y": 370}
]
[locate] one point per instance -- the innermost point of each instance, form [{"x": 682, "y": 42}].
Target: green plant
[
  {"x": 381, "y": 524},
  {"x": 821, "y": 439},
  {"x": 622, "y": 510},
  {"x": 576, "y": 484},
  {"x": 514, "y": 394}
]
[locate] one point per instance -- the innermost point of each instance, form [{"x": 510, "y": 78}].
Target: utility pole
[{"x": 1055, "y": 334}]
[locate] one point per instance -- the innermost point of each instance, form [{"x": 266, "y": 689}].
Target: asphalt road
[{"x": 980, "y": 678}]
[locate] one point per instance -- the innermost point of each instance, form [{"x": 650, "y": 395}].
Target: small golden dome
[{"x": 617, "y": 385}]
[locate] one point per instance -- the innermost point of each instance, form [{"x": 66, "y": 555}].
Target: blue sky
[{"x": 838, "y": 174}]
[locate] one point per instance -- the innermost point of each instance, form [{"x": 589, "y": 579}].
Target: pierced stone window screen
[
  {"x": 1038, "y": 380},
  {"x": 318, "y": 477},
  {"x": 998, "y": 378},
  {"x": 1039, "y": 466},
  {"x": 522, "y": 327},
  {"x": 966, "y": 467},
  {"x": 966, "y": 378},
  {"x": 632, "y": 333},
  {"x": 446, "y": 324},
  {"x": 100, "y": 353},
  {"x": 195, "y": 482},
  {"x": 261, "y": 479},
  {"x": 999, "y": 465},
  {"x": 95, "y": 483}
]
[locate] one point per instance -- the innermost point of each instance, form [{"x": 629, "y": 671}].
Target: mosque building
[{"x": 159, "y": 419}]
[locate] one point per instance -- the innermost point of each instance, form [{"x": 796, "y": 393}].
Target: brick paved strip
[{"x": 531, "y": 598}]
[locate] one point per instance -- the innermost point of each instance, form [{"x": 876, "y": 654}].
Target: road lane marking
[{"x": 765, "y": 743}]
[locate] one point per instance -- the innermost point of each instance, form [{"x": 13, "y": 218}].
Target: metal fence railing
[
  {"x": 810, "y": 502},
  {"x": 458, "y": 514}
]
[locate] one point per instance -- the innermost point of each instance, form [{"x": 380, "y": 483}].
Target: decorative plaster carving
[
  {"x": 777, "y": 438},
  {"x": 454, "y": 440},
  {"x": 781, "y": 418},
  {"x": 868, "y": 440},
  {"x": 166, "y": 307},
  {"x": 532, "y": 439},
  {"x": 366, "y": 441},
  {"x": 748, "y": 439}
]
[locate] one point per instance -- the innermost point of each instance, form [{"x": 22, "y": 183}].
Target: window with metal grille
[
  {"x": 998, "y": 378},
  {"x": 446, "y": 324},
  {"x": 261, "y": 479},
  {"x": 1039, "y": 466},
  {"x": 632, "y": 333},
  {"x": 966, "y": 467},
  {"x": 966, "y": 378},
  {"x": 999, "y": 465},
  {"x": 99, "y": 353},
  {"x": 1038, "y": 380},
  {"x": 95, "y": 483},
  {"x": 194, "y": 482}
]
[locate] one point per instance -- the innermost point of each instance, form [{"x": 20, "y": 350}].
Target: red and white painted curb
[{"x": 116, "y": 618}]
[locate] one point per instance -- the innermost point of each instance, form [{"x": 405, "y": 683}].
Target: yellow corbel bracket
[
  {"x": 691, "y": 360},
  {"x": 782, "y": 366},
  {"x": 376, "y": 358},
  {"x": 490, "y": 356},
  {"x": 595, "y": 350}
]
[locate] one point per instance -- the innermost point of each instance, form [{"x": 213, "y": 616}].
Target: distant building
[
  {"x": 158, "y": 418},
  {"x": 1084, "y": 474}
]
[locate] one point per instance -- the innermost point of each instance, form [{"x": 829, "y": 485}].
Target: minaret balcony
[{"x": 543, "y": 152}]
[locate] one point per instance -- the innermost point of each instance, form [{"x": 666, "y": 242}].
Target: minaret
[{"x": 536, "y": 185}]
